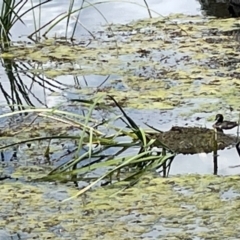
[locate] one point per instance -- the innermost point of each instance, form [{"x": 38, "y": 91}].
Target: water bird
[{"x": 221, "y": 125}]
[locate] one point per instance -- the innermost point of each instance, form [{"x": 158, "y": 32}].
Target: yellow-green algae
[
  {"x": 190, "y": 206},
  {"x": 184, "y": 53}
]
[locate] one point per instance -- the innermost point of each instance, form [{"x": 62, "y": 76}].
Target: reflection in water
[
  {"x": 161, "y": 119},
  {"x": 224, "y": 8},
  {"x": 22, "y": 83},
  {"x": 203, "y": 163},
  {"x": 93, "y": 84},
  {"x": 22, "y": 86}
]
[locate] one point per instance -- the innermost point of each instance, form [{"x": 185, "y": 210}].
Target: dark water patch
[
  {"x": 214, "y": 8},
  {"x": 221, "y": 9}
]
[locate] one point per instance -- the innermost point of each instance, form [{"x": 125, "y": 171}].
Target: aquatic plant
[
  {"x": 117, "y": 160},
  {"x": 11, "y": 12}
]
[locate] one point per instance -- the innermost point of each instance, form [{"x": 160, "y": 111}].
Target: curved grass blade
[
  {"x": 132, "y": 124},
  {"x": 105, "y": 175}
]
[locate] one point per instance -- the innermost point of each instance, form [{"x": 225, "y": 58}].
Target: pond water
[
  {"x": 51, "y": 91},
  {"x": 114, "y": 12},
  {"x": 201, "y": 163},
  {"x": 190, "y": 204}
]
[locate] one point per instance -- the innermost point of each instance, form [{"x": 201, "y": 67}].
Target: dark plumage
[{"x": 223, "y": 125}]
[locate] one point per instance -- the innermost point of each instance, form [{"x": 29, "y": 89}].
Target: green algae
[
  {"x": 183, "y": 205},
  {"x": 154, "y": 203},
  {"x": 184, "y": 53}
]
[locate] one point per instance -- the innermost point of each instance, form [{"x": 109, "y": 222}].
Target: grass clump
[{"x": 100, "y": 156}]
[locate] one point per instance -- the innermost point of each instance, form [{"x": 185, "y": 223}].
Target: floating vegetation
[
  {"x": 91, "y": 148},
  {"x": 190, "y": 206},
  {"x": 182, "y": 62},
  {"x": 190, "y": 140},
  {"x": 153, "y": 78}
]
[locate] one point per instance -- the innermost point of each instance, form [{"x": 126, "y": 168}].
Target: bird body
[{"x": 220, "y": 124}]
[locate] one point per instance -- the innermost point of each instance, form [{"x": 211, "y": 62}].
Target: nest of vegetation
[{"x": 190, "y": 140}]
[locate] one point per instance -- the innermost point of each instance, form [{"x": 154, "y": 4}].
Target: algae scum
[
  {"x": 160, "y": 63},
  {"x": 181, "y": 207},
  {"x": 156, "y": 64}
]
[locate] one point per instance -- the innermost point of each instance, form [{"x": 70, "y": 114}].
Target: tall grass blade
[{"x": 105, "y": 175}]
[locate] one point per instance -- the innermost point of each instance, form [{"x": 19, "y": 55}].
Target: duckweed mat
[
  {"x": 181, "y": 207},
  {"x": 159, "y": 63}
]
